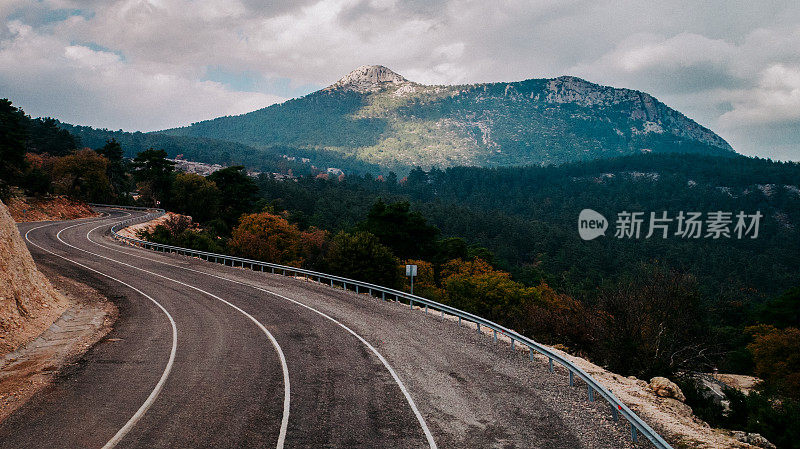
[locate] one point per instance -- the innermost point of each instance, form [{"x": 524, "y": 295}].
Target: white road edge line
[
  {"x": 164, "y": 375},
  {"x": 284, "y": 366},
  {"x": 380, "y": 357}
]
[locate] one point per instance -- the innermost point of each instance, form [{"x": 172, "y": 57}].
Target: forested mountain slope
[{"x": 377, "y": 116}]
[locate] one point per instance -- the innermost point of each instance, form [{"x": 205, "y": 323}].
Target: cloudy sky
[{"x": 733, "y": 66}]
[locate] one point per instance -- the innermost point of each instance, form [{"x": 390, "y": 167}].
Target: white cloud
[
  {"x": 86, "y": 86},
  {"x": 683, "y": 50},
  {"x": 88, "y": 58},
  {"x": 775, "y": 100}
]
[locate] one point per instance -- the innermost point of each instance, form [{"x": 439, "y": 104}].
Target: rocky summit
[{"x": 368, "y": 78}]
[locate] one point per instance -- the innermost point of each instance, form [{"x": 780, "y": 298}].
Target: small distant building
[{"x": 199, "y": 168}]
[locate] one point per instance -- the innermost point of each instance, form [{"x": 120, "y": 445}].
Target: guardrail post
[
  {"x": 383, "y": 296},
  {"x": 356, "y": 289},
  {"x": 495, "y": 335},
  {"x": 344, "y": 285},
  {"x": 614, "y": 413},
  {"x": 459, "y": 321},
  {"x": 411, "y": 303},
  {"x": 442, "y": 314},
  {"x": 551, "y": 365},
  {"x": 591, "y": 394},
  {"x": 426, "y": 309},
  {"x": 478, "y": 327},
  {"x": 634, "y": 435},
  {"x": 531, "y": 353},
  {"x": 571, "y": 379},
  {"x": 512, "y": 344}
]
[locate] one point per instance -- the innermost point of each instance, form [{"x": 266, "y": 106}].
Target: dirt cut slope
[
  {"x": 24, "y": 209},
  {"x": 28, "y": 302}
]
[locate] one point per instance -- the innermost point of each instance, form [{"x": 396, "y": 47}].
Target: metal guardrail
[
  {"x": 637, "y": 425},
  {"x": 116, "y": 206}
]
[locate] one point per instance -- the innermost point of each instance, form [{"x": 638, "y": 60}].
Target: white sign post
[{"x": 411, "y": 271}]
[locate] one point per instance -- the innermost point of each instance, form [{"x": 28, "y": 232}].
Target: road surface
[{"x": 205, "y": 355}]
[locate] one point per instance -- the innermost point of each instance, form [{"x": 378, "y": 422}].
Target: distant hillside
[
  {"x": 379, "y": 117},
  {"x": 272, "y": 159}
]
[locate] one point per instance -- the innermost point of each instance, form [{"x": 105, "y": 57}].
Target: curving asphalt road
[{"x": 205, "y": 355}]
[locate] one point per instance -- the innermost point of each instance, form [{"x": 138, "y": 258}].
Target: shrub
[{"x": 361, "y": 256}]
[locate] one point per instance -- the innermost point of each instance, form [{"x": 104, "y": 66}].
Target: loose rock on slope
[{"x": 28, "y": 302}]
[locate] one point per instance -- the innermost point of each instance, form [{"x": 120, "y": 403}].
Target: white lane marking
[
  {"x": 284, "y": 366},
  {"x": 160, "y": 385},
  {"x": 380, "y": 357}
]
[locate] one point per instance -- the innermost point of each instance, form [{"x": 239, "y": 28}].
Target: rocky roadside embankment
[
  {"x": 133, "y": 230},
  {"x": 27, "y": 209},
  {"x": 42, "y": 328},
  {"x": 660, "y": 403},
  {"x": 28, "y": 302}
]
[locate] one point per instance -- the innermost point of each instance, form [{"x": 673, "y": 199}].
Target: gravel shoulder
[
  {"x": 473, "y": 392},
  {"x": 87, "y": 318}
]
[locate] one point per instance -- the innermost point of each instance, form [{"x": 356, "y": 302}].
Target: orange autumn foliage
[
  {"x": 475, "y": 286},
  {"x": 776, "y": 354},
  {"x": 538, "y": 311},
  {"x": 424, "y": 281},
  {"x": 554, "y": 317},
  {"x": 269, "y": 237}
]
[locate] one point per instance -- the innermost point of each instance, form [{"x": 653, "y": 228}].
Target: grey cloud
[{"x": 707, "y": 59}]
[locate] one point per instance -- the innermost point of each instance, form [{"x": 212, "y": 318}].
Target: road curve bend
[{"x": 205, "y": 355}]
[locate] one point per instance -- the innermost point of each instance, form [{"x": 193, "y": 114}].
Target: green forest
[{"x": 502, "y": 243}]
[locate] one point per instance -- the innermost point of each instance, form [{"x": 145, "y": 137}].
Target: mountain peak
[{"x": 368, "y": 78}]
